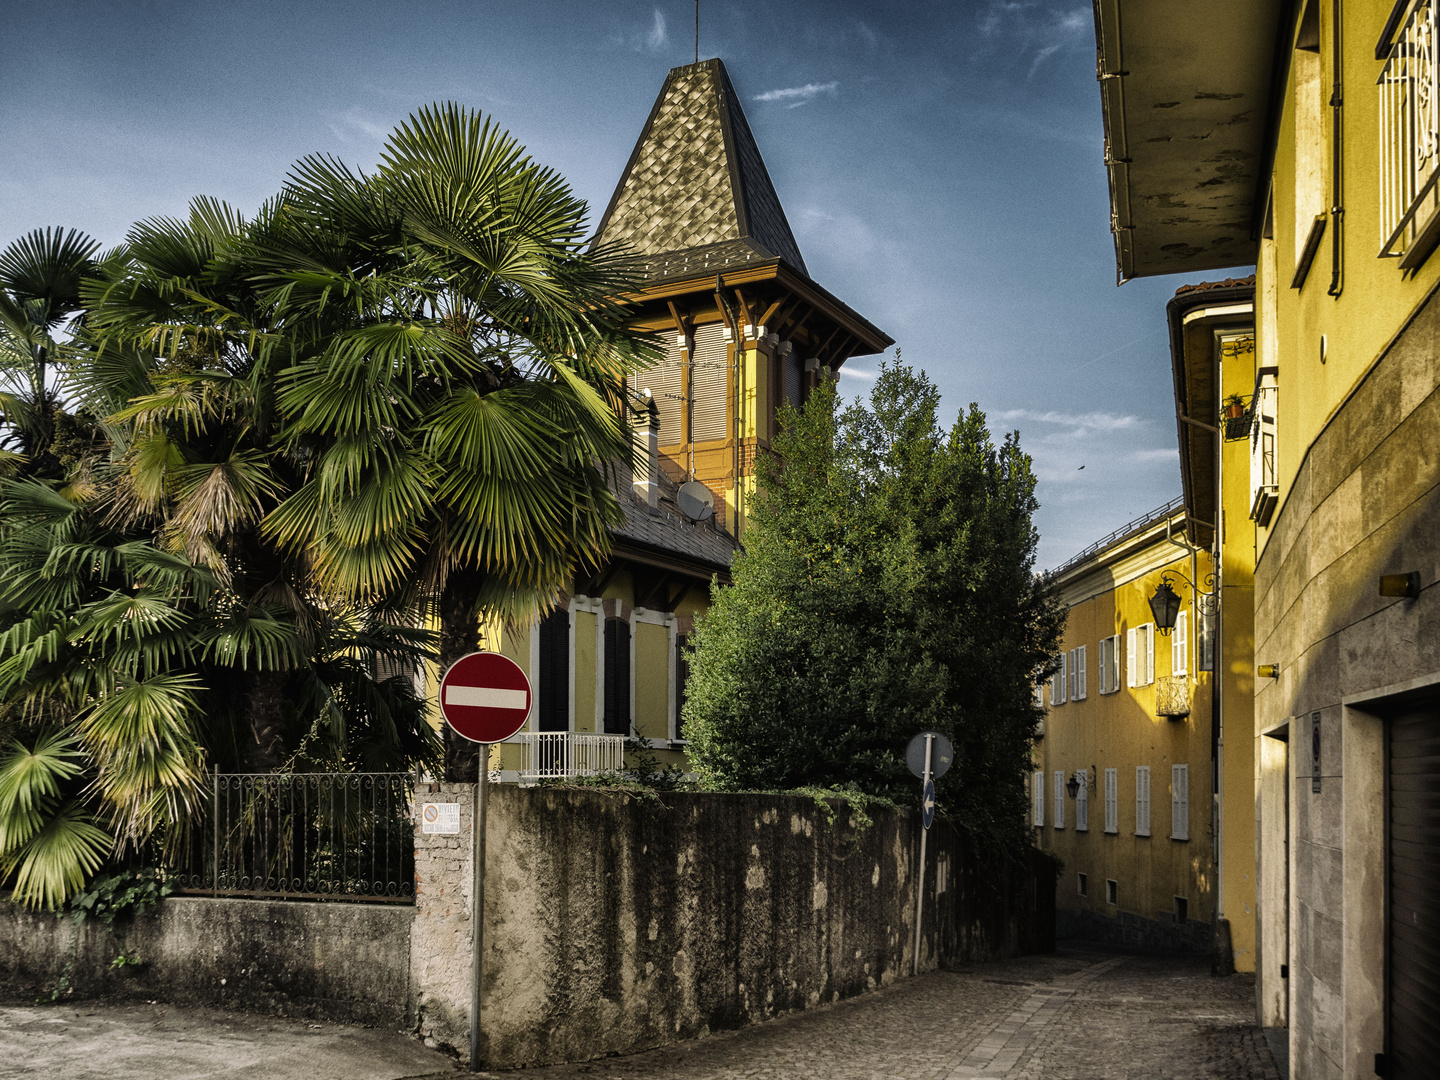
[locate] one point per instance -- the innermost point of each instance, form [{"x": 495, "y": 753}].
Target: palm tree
[{"x": 40, "y": 276}]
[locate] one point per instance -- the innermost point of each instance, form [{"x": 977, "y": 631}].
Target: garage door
[{"x": 1414, "y": 901}]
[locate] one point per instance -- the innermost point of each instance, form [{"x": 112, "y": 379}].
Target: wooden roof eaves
[
  {"x": 871, "y": 338},
  {"x": 662, "y": 559}
]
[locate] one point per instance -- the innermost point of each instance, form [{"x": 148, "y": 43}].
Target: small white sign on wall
[{"x": 443, "y": 818}]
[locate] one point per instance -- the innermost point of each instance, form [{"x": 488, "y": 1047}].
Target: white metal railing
[
  {"x": 1264, "y": 476},
  {"x": 1409, "y": 130},
  {"x": 557, "y": 755}
]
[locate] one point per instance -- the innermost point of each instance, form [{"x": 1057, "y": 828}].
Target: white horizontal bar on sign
[{"x": 485, "y": 697}]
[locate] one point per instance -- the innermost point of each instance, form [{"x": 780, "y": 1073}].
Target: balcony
[
  {"x": 1410, "y": 139},
  {"x": 561, "y": 755}
]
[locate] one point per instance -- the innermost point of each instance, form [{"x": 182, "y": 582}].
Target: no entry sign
[{"x": 485, "y": 697}]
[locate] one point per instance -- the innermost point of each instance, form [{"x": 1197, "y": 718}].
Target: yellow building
[
  {"x": 1129, "y": 761},
  {"x": 1302, "y": 138},
  {"x": 743, "y": 329}
]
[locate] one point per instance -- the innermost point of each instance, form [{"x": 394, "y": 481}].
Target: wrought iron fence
[
  {"x": 306, "y": 836},
  {"x": 557, "y": 755}
]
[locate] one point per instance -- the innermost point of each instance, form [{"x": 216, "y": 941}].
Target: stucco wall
[
  {"x": 614, "y": 923},
  {"x": 337, "y": 961},
  {"x": 1364, "y": 502}
]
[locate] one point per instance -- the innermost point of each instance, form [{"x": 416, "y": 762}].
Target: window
[
  {"x": 1142, "y": 800},
  {"x": 1182, "y": 909},
  {"x": 1077, "y": 674},
  {"x": 1057, "y": 681},
  {"x": 1112, "y": 800},
  {"x": 1205, "y": 642},
  {"x": 1140, "y": 655},
  {"x": 1180, "y": 802},
  {"x": 1084, "y": 884},
  {"x": 1059, "y": 822},
  {"x": 1110, "y": 664},
  {"x": 1037, "y": 798},
  {"x": 553, "y": 684},
  {"x": 1408, "y": 132},
  {"x": 1082, "y": 802},
  {"x": 1112, "y": 891},
  {"x": 1180, "y": 645},
  {"x": 1040, "y": 696},
  {"x": 617, "y": 676},
  {"x": 1264, "y": 478},
  {"x": 682, "y": 676}
]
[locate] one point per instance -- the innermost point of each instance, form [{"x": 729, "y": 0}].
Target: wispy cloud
[
  {"x": 859, "y": 373},
  {"x": 650, "y": 38},
  {"x": 795, "y": 96},
  {"x": 356, "y": 126},
  {"x": 1032, "y": 28},
  {"x": 1080, "y": 422}
]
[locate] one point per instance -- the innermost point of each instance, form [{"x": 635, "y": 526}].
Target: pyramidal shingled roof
[{"x": 695, "y": 194}]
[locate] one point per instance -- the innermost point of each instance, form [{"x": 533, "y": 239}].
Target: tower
[{"x": 743, "y": 325}]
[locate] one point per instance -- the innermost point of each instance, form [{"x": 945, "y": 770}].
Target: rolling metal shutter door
[
  {"x": 663, "y": 382},
  {"x": 1413, "y": 923},
  {"x": 711, "y": 363},
  {"x": 793, "y": 368}
]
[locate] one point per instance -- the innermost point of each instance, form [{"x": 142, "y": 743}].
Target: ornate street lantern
[{"x": 1165, "y": 606}]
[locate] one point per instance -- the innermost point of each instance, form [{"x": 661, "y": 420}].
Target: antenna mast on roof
[{"x": 697, "y": 31}]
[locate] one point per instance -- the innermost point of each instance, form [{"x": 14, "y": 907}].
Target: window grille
[
  {"x": 1264, "y": 477},
  {"x": 1410, "y": 138}
]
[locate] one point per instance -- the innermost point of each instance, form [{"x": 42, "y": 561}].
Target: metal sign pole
[
  {"x": 477, "y": 900},
  {"x": 924, "y": 832}
]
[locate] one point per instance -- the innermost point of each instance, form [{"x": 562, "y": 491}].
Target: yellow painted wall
[
  {"x": 1376, "y": 299},
  {"x": 586, "y": 658},
  {"x": 1121, "y": 730},
  {"x": 652, "y": 681}
]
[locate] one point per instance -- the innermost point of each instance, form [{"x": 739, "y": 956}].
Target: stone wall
[
  {"x": 337, "y": 961},
  {"x": 614, "y": 924}
]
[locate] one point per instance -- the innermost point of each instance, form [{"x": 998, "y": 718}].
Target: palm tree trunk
[
  {"x": 264, "y": 701},
  {"x": 459, "y": 635}
]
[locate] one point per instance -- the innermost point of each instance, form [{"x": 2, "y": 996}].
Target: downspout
[{"x": 1337, "y": 142}]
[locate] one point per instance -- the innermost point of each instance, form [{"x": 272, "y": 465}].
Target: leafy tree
[{"x": 886, "y": 588}]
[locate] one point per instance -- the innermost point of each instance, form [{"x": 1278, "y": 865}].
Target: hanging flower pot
[{"x": 1234, "y": 407}]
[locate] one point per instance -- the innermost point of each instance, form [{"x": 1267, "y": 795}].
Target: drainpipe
[{"x": 1337, "y": 140}]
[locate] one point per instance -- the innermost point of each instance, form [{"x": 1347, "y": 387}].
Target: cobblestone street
[{"x": 1074, "y": 1015}]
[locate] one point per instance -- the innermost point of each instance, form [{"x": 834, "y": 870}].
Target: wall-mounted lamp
[
  {"x": 1073, "y": 785},
  {"x": 1165, "y": 604},
  {"x": 1401, "y": 585},
  {"x": 1268, "y": 671}
]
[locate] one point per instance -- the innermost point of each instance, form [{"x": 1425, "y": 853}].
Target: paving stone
[{"x": 1073, "y": 1015}]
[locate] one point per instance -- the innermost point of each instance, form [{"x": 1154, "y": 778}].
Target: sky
[{"x": 940, "y": 164}]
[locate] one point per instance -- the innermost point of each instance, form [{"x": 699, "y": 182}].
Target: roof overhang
[
  {"x": 1196, "y": 317},
  {"x": 1187, "y": 98}
]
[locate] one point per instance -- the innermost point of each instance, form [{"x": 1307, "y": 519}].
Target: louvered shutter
[
  {"x": 554, "y": 688},
  {"x": 1130, "y": 658},
  {"x": 1142, "y": 800},
  {"x": 1037, "y": 798},
  {"x": 1180, "y": 802},
  {"x": 1180, "y": 647},
  {"x": 662, "y": 379},
  {"x": 708, "y": 371},
  {"x": 1081, "y": 689},
  {"x": 1112, "y": 800},
  {"x": 617, "y": 677},
  {"x": 794, "y": 367},
  {"x": 1082, "y": 802},
  {"x": 1149, "y": 653},
  {"x": 1059, "y": 799},
  {"x": 682, "y": 676}
]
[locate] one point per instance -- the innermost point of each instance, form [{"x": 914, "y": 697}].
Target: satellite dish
[{"x": 697, "y": 502}]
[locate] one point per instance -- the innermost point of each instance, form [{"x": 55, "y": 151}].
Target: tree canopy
[{"x": 886, "y": 587}]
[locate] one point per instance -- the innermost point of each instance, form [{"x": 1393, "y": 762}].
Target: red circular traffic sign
[{"x": 485, "y": 697}]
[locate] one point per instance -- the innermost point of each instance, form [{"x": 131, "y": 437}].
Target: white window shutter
[
  {"x": 1037, "y": 797},
  {"x": 1180, "y": 802},
  {"x": 1039, "y": 697},
  {"x": 1149, "y": 653},
  {"x": 1059, "y": 821},
  {"x": 1070, "y": 667},
  {"x": 1130, "y": 658},
  {"x": 1142, "y": 800},
  {"x": 1081, "y": 687},
  {"x": 1112, "y": 800},
  {"x": 1082, "y": 802},
  {"x": 1180, "y": 650}
]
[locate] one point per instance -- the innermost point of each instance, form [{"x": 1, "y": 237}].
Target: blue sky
[{"x": 940, "y": 164}]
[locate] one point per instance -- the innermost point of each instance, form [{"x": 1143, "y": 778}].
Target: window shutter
[
  {"x": 1149, "y": 653},
  {"x": 1064, "y": 676},
  {"x": 1037, "y": 798},
  {"x": 1082, "y": 802},
  {"x": 1112, "y": 800},
  {"x": 1130, "y": 658},
  {"x": 1180, "y": 647},
  {"x": 1180, "y": 802},
  {"x": 710, "y": 365},
  {"x": 682, "y": 676},
  {"x": 663, "y": 382},
  {"x": 1059, "y": 799},
  {"x": 1039, "y": 697},
  {"x": 554, "y": 688},
  {"x": 1081, "y": 689},
  {"x": 1142, "y": 800}
]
